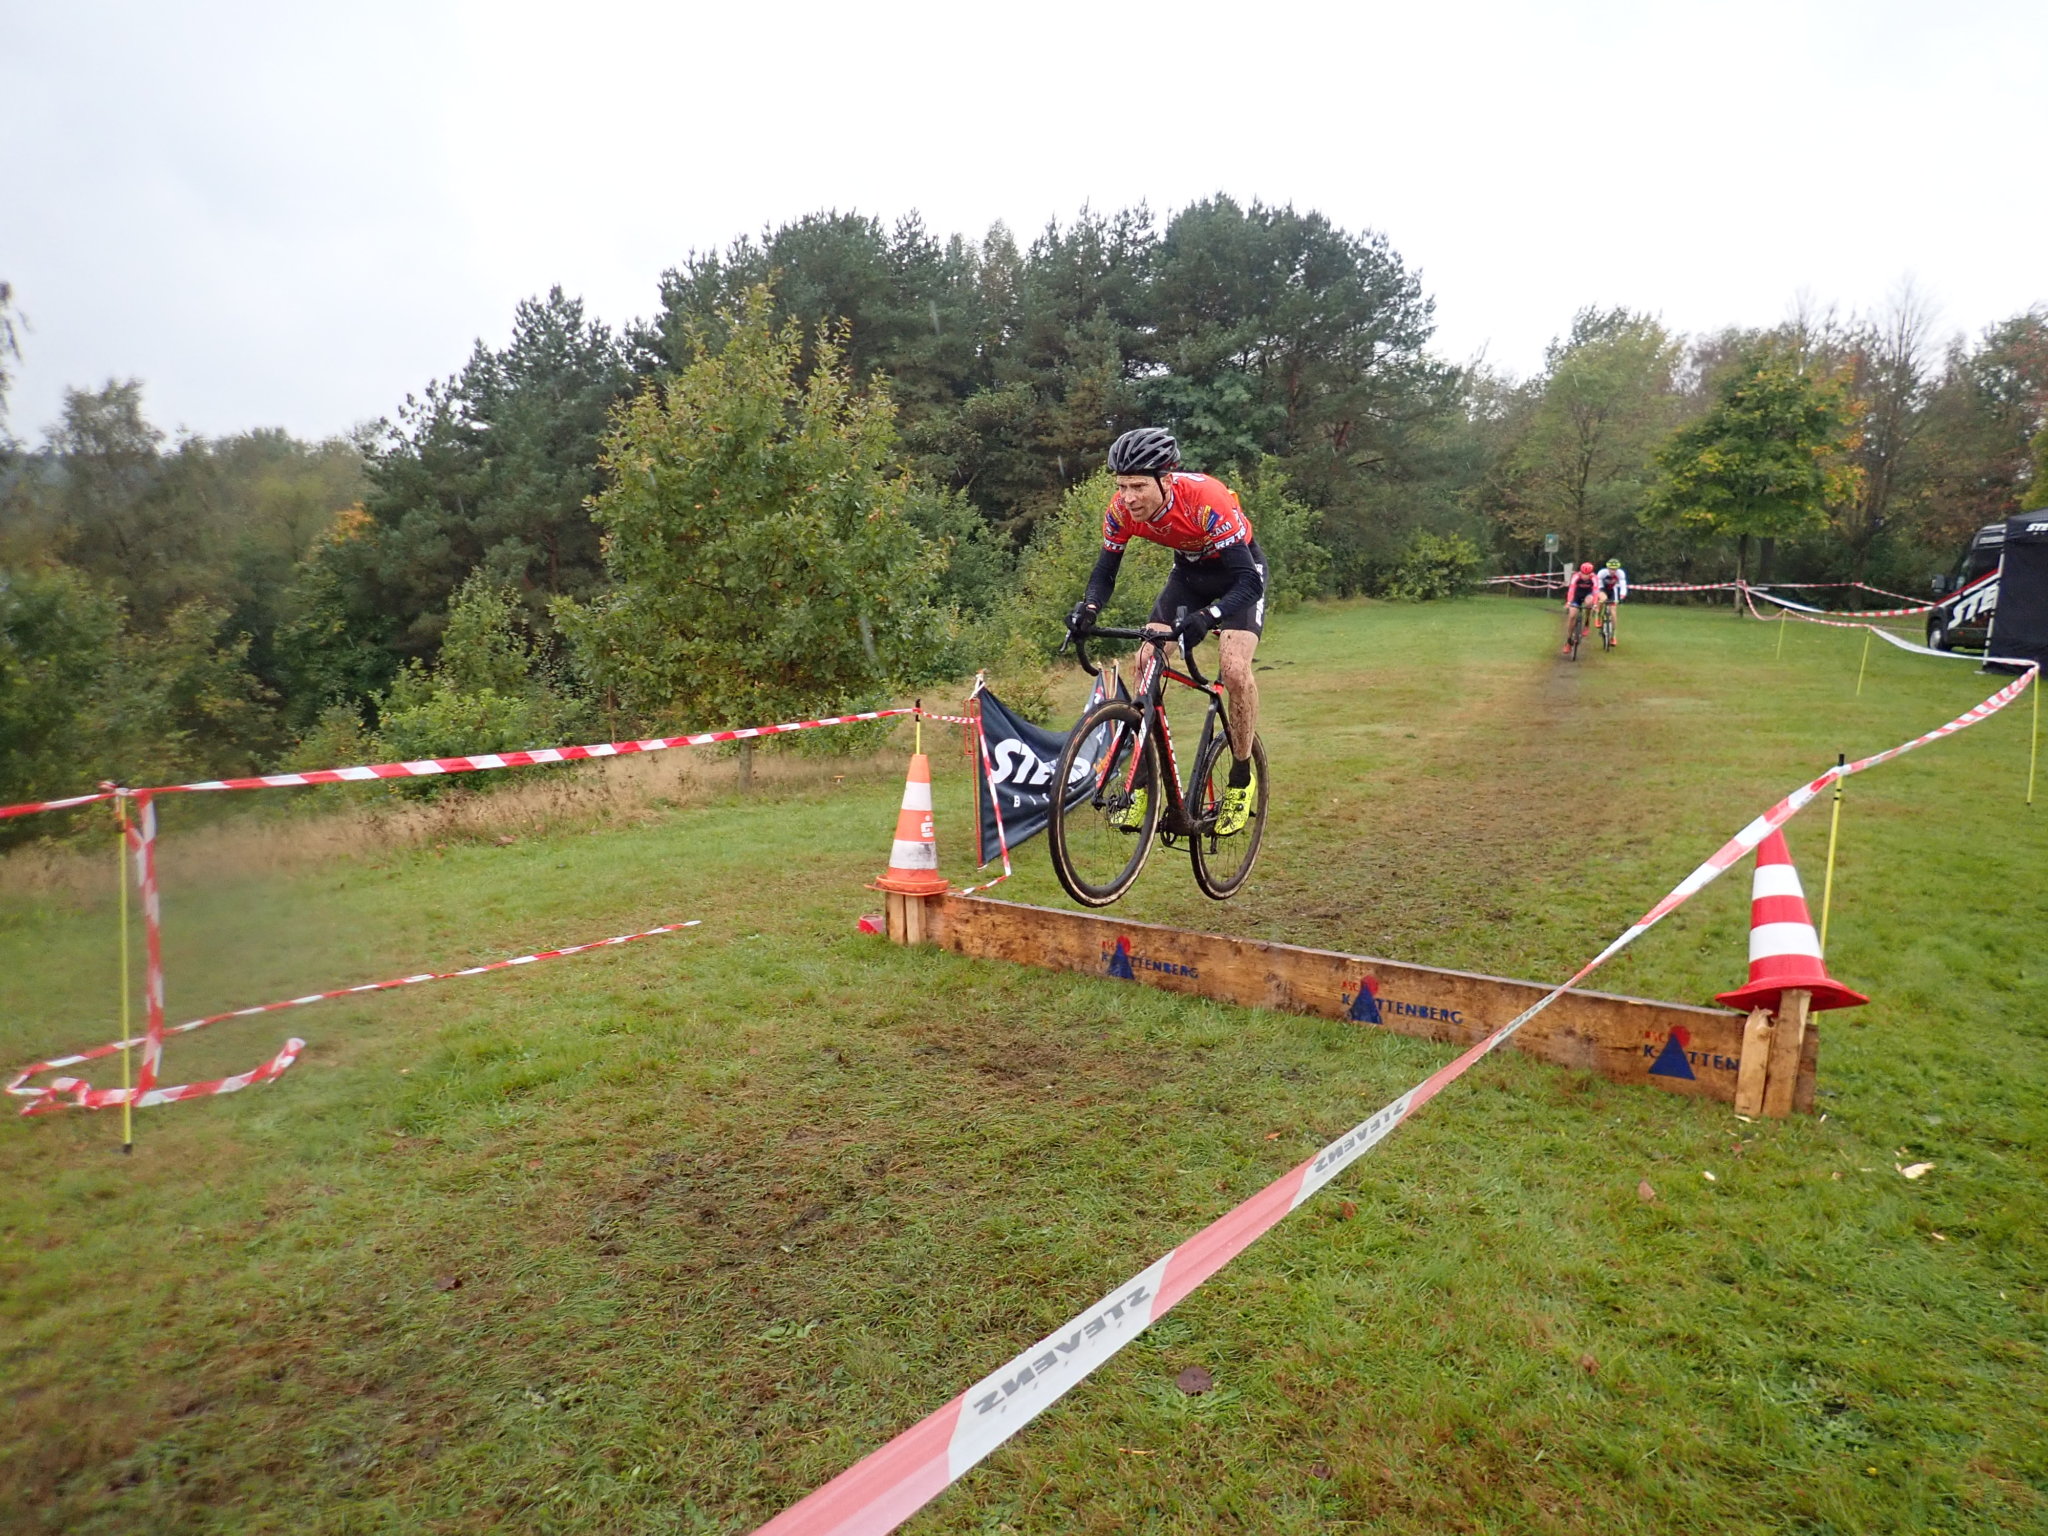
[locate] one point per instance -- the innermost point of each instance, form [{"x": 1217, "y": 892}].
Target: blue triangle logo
[
  {"x": 1671, "y": 1060},
  {"x": 1365, "y": 1008},
  {"x": 1120, "y": 963}
]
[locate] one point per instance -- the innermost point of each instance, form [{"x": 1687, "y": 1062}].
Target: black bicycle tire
[
  {"x": 1606, "y": 633},
  {"x": 1222, "y": 890},
  {"x": 1084, "y": 892},
  {"x": 1578, "y": 633}
]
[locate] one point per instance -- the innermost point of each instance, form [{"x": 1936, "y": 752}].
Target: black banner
[
  {"x": 2019, "y": 624},
  {"x": 1018, "y": 777}
]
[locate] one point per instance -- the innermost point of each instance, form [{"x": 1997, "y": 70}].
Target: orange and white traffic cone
[
  {"x": 1787, "y": 980},
  {"x": 914, "y": 857}
]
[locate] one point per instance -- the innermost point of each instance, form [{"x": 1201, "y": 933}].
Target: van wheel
[{"x": 1937, "y": 635}]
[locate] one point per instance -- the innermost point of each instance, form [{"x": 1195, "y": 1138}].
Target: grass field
[{"x": 658, "y": 1239}]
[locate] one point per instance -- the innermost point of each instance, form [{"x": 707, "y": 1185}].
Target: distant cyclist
[
  {"x": 1613, "y": 588},
  {"x": 1219, "y": 577},
  {"x": 1581, "y": 593}
]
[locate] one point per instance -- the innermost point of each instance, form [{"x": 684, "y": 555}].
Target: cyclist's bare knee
[{"x": 1238, "y": 646}]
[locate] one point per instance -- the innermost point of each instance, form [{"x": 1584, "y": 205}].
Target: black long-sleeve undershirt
[{"x": 1102, "y": 580}]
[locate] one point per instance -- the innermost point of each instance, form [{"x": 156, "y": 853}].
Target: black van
[{"x": 1963, "y": 616}]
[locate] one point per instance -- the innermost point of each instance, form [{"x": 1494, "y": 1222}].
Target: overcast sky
[{"x": 292, "y": 215}]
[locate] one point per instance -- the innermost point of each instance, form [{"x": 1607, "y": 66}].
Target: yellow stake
[
  {"x": 1827, "y": 890},
  {"x": 127, "y": 1104},
  {"x": 1782, "y": 616},
  {"x": 1864, "y": 662}
]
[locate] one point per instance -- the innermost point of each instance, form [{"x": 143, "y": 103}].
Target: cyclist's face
[{"x": 1144, "y": 496}]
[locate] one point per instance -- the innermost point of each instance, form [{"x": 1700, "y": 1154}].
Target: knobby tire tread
[
  {"x": 1216, "y": 761},
  {"x": 1090, "y": 895}
]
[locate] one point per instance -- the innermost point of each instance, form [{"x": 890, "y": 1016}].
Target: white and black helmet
[{"x": 1144, "y": 451}]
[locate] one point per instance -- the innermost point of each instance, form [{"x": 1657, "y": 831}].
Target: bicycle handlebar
[{"x": 1079, "y": 639}]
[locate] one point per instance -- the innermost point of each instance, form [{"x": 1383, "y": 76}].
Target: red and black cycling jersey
[
  {"x": 1205, "y": 528},
  {"x": 1200, "y": 520},
  {"x": 1579, "y": 588}
]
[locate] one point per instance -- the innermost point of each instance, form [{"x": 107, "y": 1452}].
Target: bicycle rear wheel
[
  {"x": 1099, "y": 839},
  {"x": 1223, "y": 863}
]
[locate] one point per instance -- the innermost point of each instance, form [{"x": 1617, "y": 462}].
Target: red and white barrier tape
[
  {"x": 141, "y": 838},
  {"x": 988, "y": 786},
  {"x": 1550, "y": 579},
  {"x": 427, "y": 767},
  {"x": 74, "y": 1093},
  {"x": 1861, "y": 586},
  {"x": 30, "y": 808},
  {"x": 888, "y": 1486},
  {"x": 1811, "y": 617},
  {"x": 1848, "y": 613},
  {"x": 1900, "y": 641}
]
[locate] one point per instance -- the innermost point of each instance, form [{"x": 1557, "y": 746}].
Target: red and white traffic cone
[
  {"x": 914, "y": 857},
  {"x": 1784, "y": 951},
  {"x": 1787, "y": 979}
]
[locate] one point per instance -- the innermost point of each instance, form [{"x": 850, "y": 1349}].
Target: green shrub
[
  {"x": 1434, "y": 566},
  {"x": 488, "y": 692}
]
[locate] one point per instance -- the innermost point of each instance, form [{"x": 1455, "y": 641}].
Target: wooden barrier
[{"x": 1671, "y": 1046}]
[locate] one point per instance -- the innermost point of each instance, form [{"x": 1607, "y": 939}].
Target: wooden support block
[
  {"x": 1668, "y": 1046},
  {"x": 909, "y": 917},
  {"x": 1788, "y": 1038},
  {"x": 1754, "y": 1072},
  {"x": 1809, "y": 1072}
]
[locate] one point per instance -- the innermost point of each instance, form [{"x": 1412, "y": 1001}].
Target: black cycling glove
[
  {"x": 1083, "y": 617},
  {"x": 1194, "y": 628}
]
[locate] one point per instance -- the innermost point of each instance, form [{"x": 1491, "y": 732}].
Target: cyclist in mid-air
[
  {"x": 1219, "y": 577},
  {"x": 1581, "y": 591},
  {"x": 1613, "y": 588}
]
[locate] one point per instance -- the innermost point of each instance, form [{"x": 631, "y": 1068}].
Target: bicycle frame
[{"x": 1154, "y": 672}]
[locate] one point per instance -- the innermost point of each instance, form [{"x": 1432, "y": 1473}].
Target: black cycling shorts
[{"x": 1198, "y": 583}]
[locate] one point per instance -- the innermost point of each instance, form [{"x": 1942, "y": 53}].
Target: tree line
[{"x": 847, "y": 458}]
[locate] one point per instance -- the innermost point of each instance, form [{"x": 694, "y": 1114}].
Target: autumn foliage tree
[
  {"x": 1767, "y": 459},
  {"x": 1579, "y": 461}
]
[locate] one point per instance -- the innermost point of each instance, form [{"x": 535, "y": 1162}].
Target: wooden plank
[
  {"x": 1669, "y": 1046},
  {"x": 1788, "y": 1037},
  {"x": 908, "y": 917},
  {"x": 1756, "y": 1058},
  {"x": 1807, "y": 1084}
]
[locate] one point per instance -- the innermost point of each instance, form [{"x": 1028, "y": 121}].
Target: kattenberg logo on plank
[{"x": 1363, "y": 1002}]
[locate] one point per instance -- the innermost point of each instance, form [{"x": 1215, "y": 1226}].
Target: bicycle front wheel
[
  {"x": 1606, "y": 633},
  {"x": 1223, "y": 863},
  {"x": 1103, "y": 820}
]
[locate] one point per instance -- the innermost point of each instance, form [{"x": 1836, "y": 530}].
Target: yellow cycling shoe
[
  {"x": 1236, "y": 810},
  {"x": 1132, "y": 817}
]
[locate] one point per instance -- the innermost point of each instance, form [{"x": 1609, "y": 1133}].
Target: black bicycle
[{"x": 1103, "y": 826}]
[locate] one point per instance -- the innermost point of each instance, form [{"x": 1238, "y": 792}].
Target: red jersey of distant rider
[{"x": 1201, "y": 519}]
